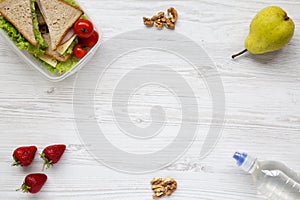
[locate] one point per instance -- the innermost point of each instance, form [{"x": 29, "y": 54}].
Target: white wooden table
[{"x": 262, "y": 95}]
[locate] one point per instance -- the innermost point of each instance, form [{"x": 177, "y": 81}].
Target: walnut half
[
  {"x": 148, "y": 22},
  {"x": 173, "y": 15}
]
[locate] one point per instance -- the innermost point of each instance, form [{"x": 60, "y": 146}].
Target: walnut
[
  {"x": 162, "y": 187},
  {"x": 156, "y": 181},
  {"x": 148, "y": 22},
  {"x": 159, "y": 20},
  {"x": 173, "y": 14},
  {"x": 163, "y": 20},
  {"x": 158, "y": 188},
  {"x": 158, "y": 16},
  {"x": 158, "y": 24},
  {"x": 158, "y": 195},
  {"x": 169, "y": 24}
]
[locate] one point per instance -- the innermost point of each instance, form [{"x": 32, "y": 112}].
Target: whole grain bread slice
[
  {"x": 18, "y": 13},
  {"x": 52, "y": 53},
  {"x": 59, "y": 17}
]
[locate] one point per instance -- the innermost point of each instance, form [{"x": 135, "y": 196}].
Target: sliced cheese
[
  {"x": 48, "y": 59},
  {"x": 63, "y": 48}
]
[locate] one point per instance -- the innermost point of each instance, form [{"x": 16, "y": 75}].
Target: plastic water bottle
[{"x": 273, "y": 179}]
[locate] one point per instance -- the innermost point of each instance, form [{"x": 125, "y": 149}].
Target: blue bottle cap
[{"x": 240, "y": 158}]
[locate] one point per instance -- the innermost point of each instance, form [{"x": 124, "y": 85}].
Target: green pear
[{"x": 270, "y": 30}]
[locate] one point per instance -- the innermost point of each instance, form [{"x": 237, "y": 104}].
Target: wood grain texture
[{"x": 262, "y": 108}]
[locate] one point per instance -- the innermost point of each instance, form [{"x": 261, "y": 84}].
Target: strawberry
[
  {"x": 52, "y": 154},
  {"x": 23, "y": 156},
  {"x": 33, "y": 183}
]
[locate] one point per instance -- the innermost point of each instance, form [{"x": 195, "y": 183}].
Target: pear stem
[{"x": 238, "y": 54}]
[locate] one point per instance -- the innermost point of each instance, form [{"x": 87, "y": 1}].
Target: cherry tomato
[
  {"x": 91, "y": 41},
  {"x": 83, "y": 28},
  {"x": 79, "y": 51}
]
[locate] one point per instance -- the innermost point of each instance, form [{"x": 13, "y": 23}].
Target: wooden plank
[{"x": 262, "y": 107}]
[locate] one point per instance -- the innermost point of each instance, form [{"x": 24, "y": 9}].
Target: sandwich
[{"x": 44, "y": 29}]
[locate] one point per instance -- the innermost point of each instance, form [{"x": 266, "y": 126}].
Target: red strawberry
[
  {"x": 52, "y": 154},
  {"x": 33, "y": 183},
  {"x": 24, "y": 155}
]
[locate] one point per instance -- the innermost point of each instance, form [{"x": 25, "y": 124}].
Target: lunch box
[{"x": 33, "y": 62}]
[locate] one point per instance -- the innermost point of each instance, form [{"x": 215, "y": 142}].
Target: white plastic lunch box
[{"x": 30, "y": 60}]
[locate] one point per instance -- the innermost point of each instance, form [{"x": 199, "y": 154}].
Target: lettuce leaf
[
  {"x": 71, "y": 2},
  {"x": 16, "y": 37},
  {"x": 84, "y": 16},
  {"x": 38, "y": 36},
  {"x": 61, "y": 67},
  {"x": 71, "y": 47}
]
